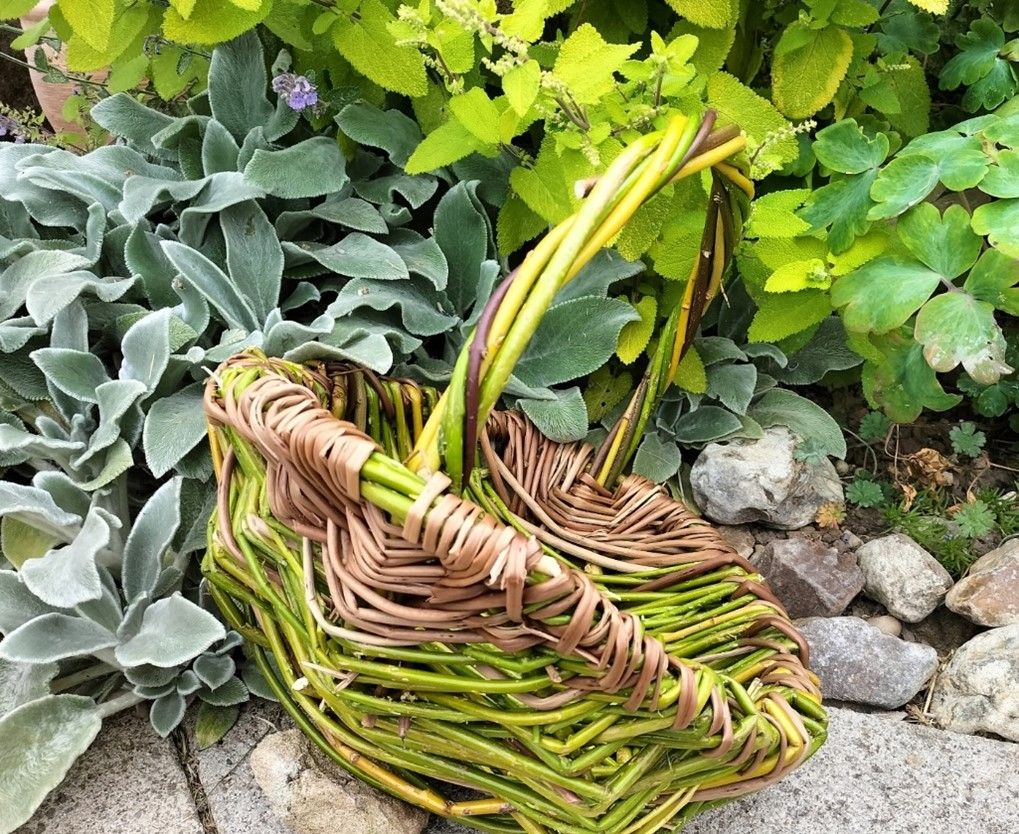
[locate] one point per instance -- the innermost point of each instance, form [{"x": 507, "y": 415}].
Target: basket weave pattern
[{"x": 575, "y": 647}]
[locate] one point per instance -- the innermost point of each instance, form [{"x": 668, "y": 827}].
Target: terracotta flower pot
[{"x": 51, "y": 96}]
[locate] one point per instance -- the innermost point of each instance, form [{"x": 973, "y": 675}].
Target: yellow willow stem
[
  {"x": 684, "y": 317},
  {"x": 737, "y": 177},
  {"x": 718, "y": 262},
  {"x": 646, "y": 185},
  {"x": 711, "y": 158},
  {"x": 425, "y": 456}
]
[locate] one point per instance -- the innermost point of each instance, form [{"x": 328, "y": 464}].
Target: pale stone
[
  {"x": 761, "y": 480},
  {"x": 978, "y": 691},
  {"x": 903, "y": 577},
  {"x": 315, "y": 796}
]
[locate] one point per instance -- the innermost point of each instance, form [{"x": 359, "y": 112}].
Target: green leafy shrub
[{"x": 914, "y": 250}]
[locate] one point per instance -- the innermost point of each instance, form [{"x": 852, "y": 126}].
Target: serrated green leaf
[
  {"x": 635, "y": 335},
  {"x": 586, "y": 64},
  {"x": 799, "y": 275},
  {"x": 807, "y": 67},
  {"x": 212, "y": 21},
  {"x": 366, "y": 42},
  {"x": 604, "y": 391},
  {"x": 737, "y": 104},
  {"x": 714, "y": 14},
  {"x": 657, "y": 458},
  {"x": 955, "y": 328},
  {"x": 445, "y": 145},
  {"x": 521, "y": 85},
  {"x": 781, "y": 316},
  {"x": 478, "y": 115},
  {"x": 91, "y": 19},
  {"x": 774, "y": 214},
  {"x": 691, "y": 374}
]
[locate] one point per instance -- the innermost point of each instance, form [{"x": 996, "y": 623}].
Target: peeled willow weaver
[{"x": 498, "y": 611}]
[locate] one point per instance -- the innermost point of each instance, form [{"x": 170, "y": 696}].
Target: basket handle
[{"x": 685, "y": 147}]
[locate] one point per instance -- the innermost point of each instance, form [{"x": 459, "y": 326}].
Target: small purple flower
[
  {"x": 297, "y": 90},
  {"x": 12, "y": 128}
]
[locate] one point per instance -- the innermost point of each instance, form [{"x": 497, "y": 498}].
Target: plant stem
[
  {"x": 122, "y": 702},
  {"x": 89, "y": 673}
]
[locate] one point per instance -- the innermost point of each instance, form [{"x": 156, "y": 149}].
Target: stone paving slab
[
  {"x": 236, "y": 803},
  {"x": 128, "y": 782},
  {"x": 877, "y": 775},
  {"x": 883, "y": 776}
]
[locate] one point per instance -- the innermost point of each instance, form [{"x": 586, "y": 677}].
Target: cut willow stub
[{"x": 441, "y": 597}]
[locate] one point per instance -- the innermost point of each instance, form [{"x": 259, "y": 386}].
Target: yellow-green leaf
[
  {"x": 604, "y": 391},
  {"x": 443, "y": 146},
  {"x": 738, "y": 104},
  {"x": 183, "y": 7},
  {"x": 521, "y": 85},
  {"x": 212, "y": 21},
  {"x": 10, "y": 9},
  {"x": 92, "y": 20},
  {"x": 714, "y": 14},
  {"x": 932, "y": 6},
  {"x": 635, "y": 335},
  {"x": 586, "y": 64},
  {"x": 782, "y": 315},
  {"x": 20, "y": 542},
  {"x": 799, "y": 275},
  {"x": 477, "y": 113},
  {"x": 690, "y": 375},
  {"x": 370, "y": 48},
  {"x": 247, "y": 5},
  {"x": 807, "y": 68}
]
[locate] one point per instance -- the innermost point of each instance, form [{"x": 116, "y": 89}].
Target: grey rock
[
  {"x": 810, "y": 578},
  {"x": 128, "y": 782},
  {"x": 237, "y": 804},
  {"x": 314, "y": 796},
  {"x": 903, "y": 577},
  {"x": 989, "y": 594},
  {"x": 978, "y": 691},
  {"x": 761, "y": 480},
  {"x": 878, "y": 775},
  {"x": 857, "y": 662}
]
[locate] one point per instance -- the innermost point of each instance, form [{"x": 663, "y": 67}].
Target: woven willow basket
[{"x": 573, "y": 646}]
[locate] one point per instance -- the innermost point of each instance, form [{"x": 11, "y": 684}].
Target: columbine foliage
[{"x": 916, "y": 251}]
